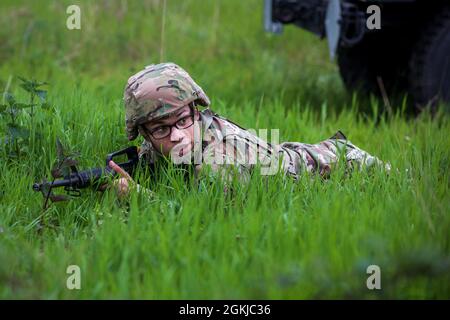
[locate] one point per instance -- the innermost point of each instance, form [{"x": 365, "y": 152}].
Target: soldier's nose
[{"x": 176, "y": 135}]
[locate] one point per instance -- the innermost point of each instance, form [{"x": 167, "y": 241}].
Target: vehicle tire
[
  {"x": 376, "y": 56},
  {"x": 429, "y": 78}
]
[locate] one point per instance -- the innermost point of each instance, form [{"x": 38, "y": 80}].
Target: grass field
[{"x": 307, "y": 240}]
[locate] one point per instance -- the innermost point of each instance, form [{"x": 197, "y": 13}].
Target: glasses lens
[
  {"x": 161, "y": 132},
  {"x": 164, "y": 131},
  {"x": 185, "y": 122}
]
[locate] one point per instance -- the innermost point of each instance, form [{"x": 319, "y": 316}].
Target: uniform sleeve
[{"x": 147, "y": 153}]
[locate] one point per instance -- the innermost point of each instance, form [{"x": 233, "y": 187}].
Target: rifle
[{"x": 73, "y": 180}]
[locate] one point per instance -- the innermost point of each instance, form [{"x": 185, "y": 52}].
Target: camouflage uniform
[
  {"x": 163, "y": 88},
  {"x": 232, "y": 145}
]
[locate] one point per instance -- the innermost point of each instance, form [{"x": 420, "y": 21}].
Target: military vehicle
[{"x": 383, "y": 47}]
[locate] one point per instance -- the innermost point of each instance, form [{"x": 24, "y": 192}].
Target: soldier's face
[{"x": 173, "y": 135}]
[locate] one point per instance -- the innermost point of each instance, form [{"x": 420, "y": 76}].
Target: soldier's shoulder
[
  {"x": 224, "y": 121},
  {"x": 147, "y": 152}
]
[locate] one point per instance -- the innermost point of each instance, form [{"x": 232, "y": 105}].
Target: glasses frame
[{"x": 150, "y": 133}]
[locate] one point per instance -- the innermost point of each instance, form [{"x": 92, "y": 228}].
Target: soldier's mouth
[{"x": 181, "y": 149}]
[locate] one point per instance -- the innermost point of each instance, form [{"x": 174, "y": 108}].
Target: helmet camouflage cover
[{"x": 157, "y": 90}]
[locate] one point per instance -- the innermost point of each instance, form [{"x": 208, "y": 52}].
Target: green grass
[{"x": 311, "y": 239}]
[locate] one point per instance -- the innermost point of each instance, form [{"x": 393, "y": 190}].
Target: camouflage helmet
[{"x": 157, "y": 90}]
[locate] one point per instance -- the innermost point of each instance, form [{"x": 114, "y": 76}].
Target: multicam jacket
[{"x": 225, "y": 145}]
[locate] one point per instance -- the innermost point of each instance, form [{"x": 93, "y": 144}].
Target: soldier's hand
[
  {"x": 121, "y": 185},
  {"x": 125, "y": 181}
]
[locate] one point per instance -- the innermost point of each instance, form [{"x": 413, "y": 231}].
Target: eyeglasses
[{"x": 164, "y": 131}]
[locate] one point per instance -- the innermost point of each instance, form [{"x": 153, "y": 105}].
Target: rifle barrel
[{"x": 78, "y": 180}]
